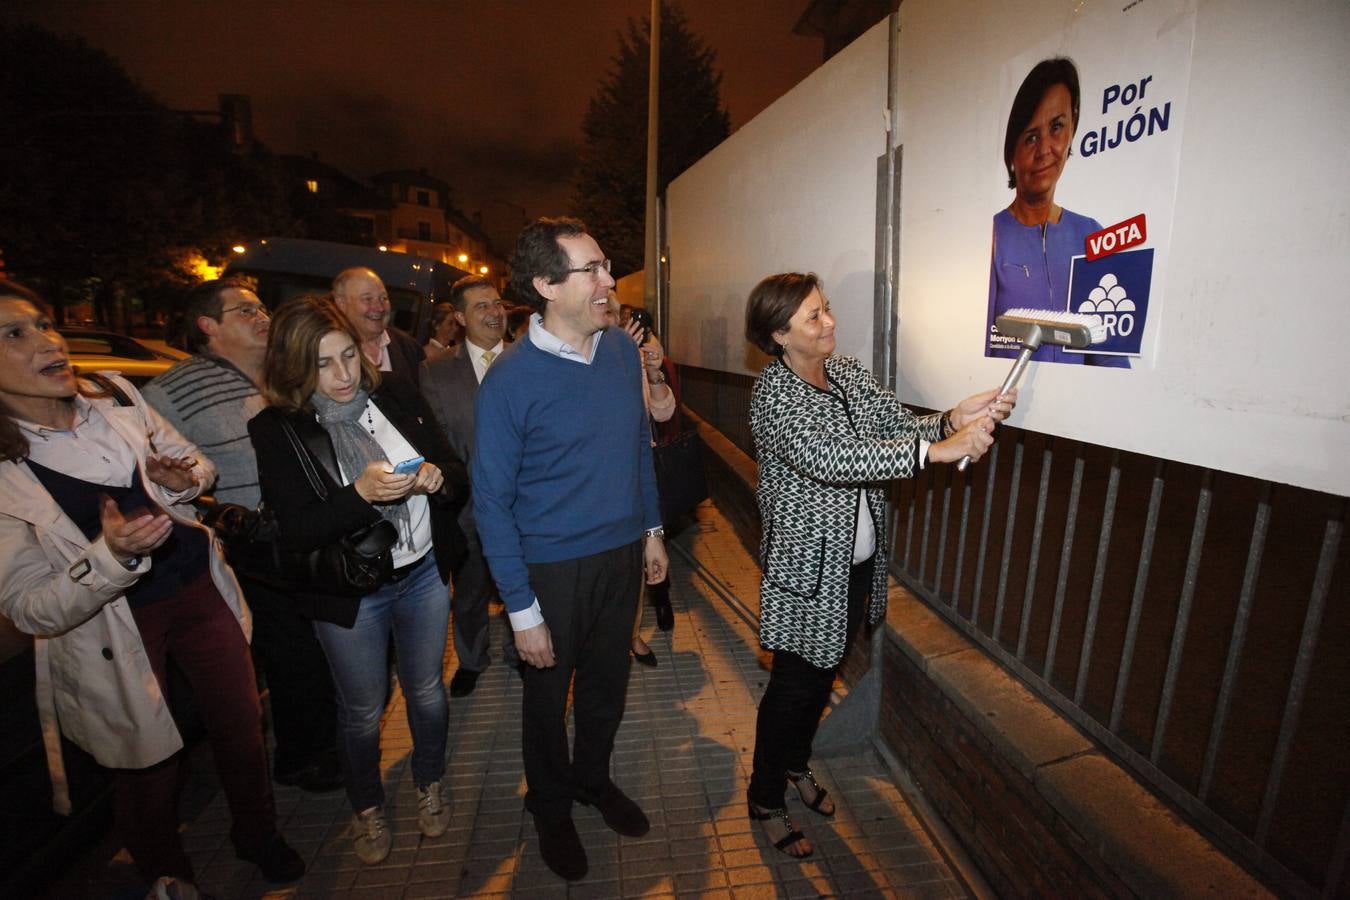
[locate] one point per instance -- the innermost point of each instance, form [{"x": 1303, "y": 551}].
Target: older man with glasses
[
  {"x": 210, "y": 397},
  {"x": 567, "y": 510}
]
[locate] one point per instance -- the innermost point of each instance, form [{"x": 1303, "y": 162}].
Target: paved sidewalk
[{"x": 683, "y": 752}]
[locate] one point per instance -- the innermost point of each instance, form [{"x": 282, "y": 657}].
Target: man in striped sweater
[{"x": 209, "y": 397}]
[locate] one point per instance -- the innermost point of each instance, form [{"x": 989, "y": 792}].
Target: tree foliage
[
  {"x": 611, "y": 184},
  {"x": 105, "y": 192}
]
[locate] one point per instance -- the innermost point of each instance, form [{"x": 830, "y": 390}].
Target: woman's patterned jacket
[{"x": 816, "y": 449}]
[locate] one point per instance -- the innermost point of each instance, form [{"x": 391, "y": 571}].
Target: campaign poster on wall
[{"x": 1091, "y": 127}]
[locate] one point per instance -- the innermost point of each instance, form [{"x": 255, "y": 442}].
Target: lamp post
[{"x": 652, "y": 268}]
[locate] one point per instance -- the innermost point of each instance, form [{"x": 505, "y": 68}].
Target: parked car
[
  {"x": 287, "y": 267},
  {"x": 97, "y": 351}
]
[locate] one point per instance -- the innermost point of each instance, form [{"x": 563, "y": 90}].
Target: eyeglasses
[
  {"x": 592, "y": 269},
  {"x": 247, "y": 311}
]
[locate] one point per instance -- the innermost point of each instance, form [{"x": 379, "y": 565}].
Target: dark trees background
[
  {"x": 109, "y": 197},
  {"x": 611, "y": 181}
]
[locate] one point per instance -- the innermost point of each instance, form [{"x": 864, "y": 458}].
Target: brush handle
[{"x": 1009, "y": 383}]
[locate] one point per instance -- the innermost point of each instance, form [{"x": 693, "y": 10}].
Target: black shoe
[
  {"x": 321, "y": 776},
  {"x": 665, "y": 616},
  {"x": 560, "y": 846},
  {"x": 647, "y": 659},
  {"x": 619, "y": 811},
  {"x": 272, "y": 855},
  {"x": 463, "y": 683}
]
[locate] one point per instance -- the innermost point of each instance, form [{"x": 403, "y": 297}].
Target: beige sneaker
[
  {"x": 433, "y": 816},
  {"x": 373, "y": 839}
]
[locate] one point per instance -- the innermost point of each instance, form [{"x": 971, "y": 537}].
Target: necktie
[{"x": 488, "y": 357}]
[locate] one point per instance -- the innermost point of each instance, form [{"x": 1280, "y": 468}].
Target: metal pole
[{"x": 651, "y": 257}]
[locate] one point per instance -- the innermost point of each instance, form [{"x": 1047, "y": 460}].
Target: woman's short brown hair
[
  {"x": 291, "y": 369},
  {"x": 772, "y": 304}
]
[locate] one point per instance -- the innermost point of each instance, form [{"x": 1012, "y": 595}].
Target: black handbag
[
  {"x": 357, "y": 565},
  {"x": 680, "y": 478}
]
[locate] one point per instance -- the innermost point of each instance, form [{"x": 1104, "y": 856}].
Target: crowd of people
[{"x": 412, "y": 486}]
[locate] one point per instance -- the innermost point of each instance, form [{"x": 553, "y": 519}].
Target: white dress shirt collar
[{"x": 555, "y": 346}]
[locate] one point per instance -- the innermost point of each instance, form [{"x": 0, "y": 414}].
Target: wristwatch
[
  {"x": 659, "y": 379},
  {"x": 654, "y": 532}
]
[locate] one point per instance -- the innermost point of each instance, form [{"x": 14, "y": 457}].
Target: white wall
[
  {"x": 1246, "y": 367},
  {"x": 1249, "y": 369},
  {"x": 792, "y": 190}
]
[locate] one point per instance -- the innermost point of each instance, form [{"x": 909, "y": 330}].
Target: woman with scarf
[{"x": 359, "y": 429}]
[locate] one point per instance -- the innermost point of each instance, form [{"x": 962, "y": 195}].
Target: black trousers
[
  {"x": 790, "y": 711},
  {"x": 470, "y": 604},
  {"x": 299, "y": 684},
  {"x": 588, "y": 605}
]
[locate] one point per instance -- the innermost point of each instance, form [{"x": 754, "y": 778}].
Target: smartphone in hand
[{"x": 409, "y": 466}]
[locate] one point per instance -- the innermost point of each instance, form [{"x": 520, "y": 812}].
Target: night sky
[{"x": 488, "y": 96}]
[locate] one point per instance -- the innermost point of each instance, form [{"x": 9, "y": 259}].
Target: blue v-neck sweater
[{"x": 562, "y": 462}]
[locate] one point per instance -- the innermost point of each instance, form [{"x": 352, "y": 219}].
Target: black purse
[
  {"x": 357, "y": 565},
  {"x": 680, "y": 478}
]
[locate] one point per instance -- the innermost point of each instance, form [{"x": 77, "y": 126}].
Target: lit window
[{"x": 312, "y": 185}]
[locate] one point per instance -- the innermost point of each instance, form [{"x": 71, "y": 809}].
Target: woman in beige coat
[{"x": 102, "y": 561}]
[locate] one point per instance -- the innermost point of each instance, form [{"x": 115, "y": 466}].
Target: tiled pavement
[{"x": 683, "y": 752}]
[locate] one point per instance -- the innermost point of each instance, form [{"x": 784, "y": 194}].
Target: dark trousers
[
  {"x": 790, "y": 711},
  {"x": 588, "y": 605},
  {"x": 470, "y": 605},
  {"x": 299, "y": 685},
  {"x": 196, "y": 628}
]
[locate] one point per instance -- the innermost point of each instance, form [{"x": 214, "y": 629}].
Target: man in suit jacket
[
  {"x": 361, "y": 296},
  {"x": 450, "y": 385}
]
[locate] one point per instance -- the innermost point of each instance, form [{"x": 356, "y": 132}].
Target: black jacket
[
  {"x": 405, "y": 356},
  {"x": 306, "y": 523}
]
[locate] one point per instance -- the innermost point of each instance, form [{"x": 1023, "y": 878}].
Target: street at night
[{"x": 673, "y": 448}]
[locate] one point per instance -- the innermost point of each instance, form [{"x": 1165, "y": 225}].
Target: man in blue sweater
[{"x": 567, "y": 509}]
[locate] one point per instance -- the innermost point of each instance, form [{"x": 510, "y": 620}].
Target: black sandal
[
  {"x": 821, "y": 793},
  {"x": 793, "y": 835}
]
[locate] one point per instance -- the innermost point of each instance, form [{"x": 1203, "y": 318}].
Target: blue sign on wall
[{"x": 1115, "y": 287}]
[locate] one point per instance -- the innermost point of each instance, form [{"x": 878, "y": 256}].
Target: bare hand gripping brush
[{"x": 1037, "y": 327}]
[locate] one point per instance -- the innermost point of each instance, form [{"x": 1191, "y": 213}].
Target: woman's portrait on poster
[{"x": 1034, "y": 238}]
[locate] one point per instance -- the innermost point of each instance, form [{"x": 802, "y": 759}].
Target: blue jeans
[{"x": 416, "y": 611}]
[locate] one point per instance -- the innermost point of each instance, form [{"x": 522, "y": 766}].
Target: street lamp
[
  {"x": 482, "y": 270},
  {"x": 238, "y": 248}
]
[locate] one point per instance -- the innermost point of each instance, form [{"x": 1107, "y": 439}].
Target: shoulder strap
[
  {"x": 109, "y": 387},
  {"x": 321, "y": 452},
  {"x": 306, "y": 460}
]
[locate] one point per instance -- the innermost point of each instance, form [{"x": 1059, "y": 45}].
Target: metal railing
[
  {"x": 1179, "y": 616},
  {"x": 1193, "y": 623}
]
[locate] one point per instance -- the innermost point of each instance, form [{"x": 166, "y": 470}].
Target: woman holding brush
[{"x": 826, "y": 433}]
